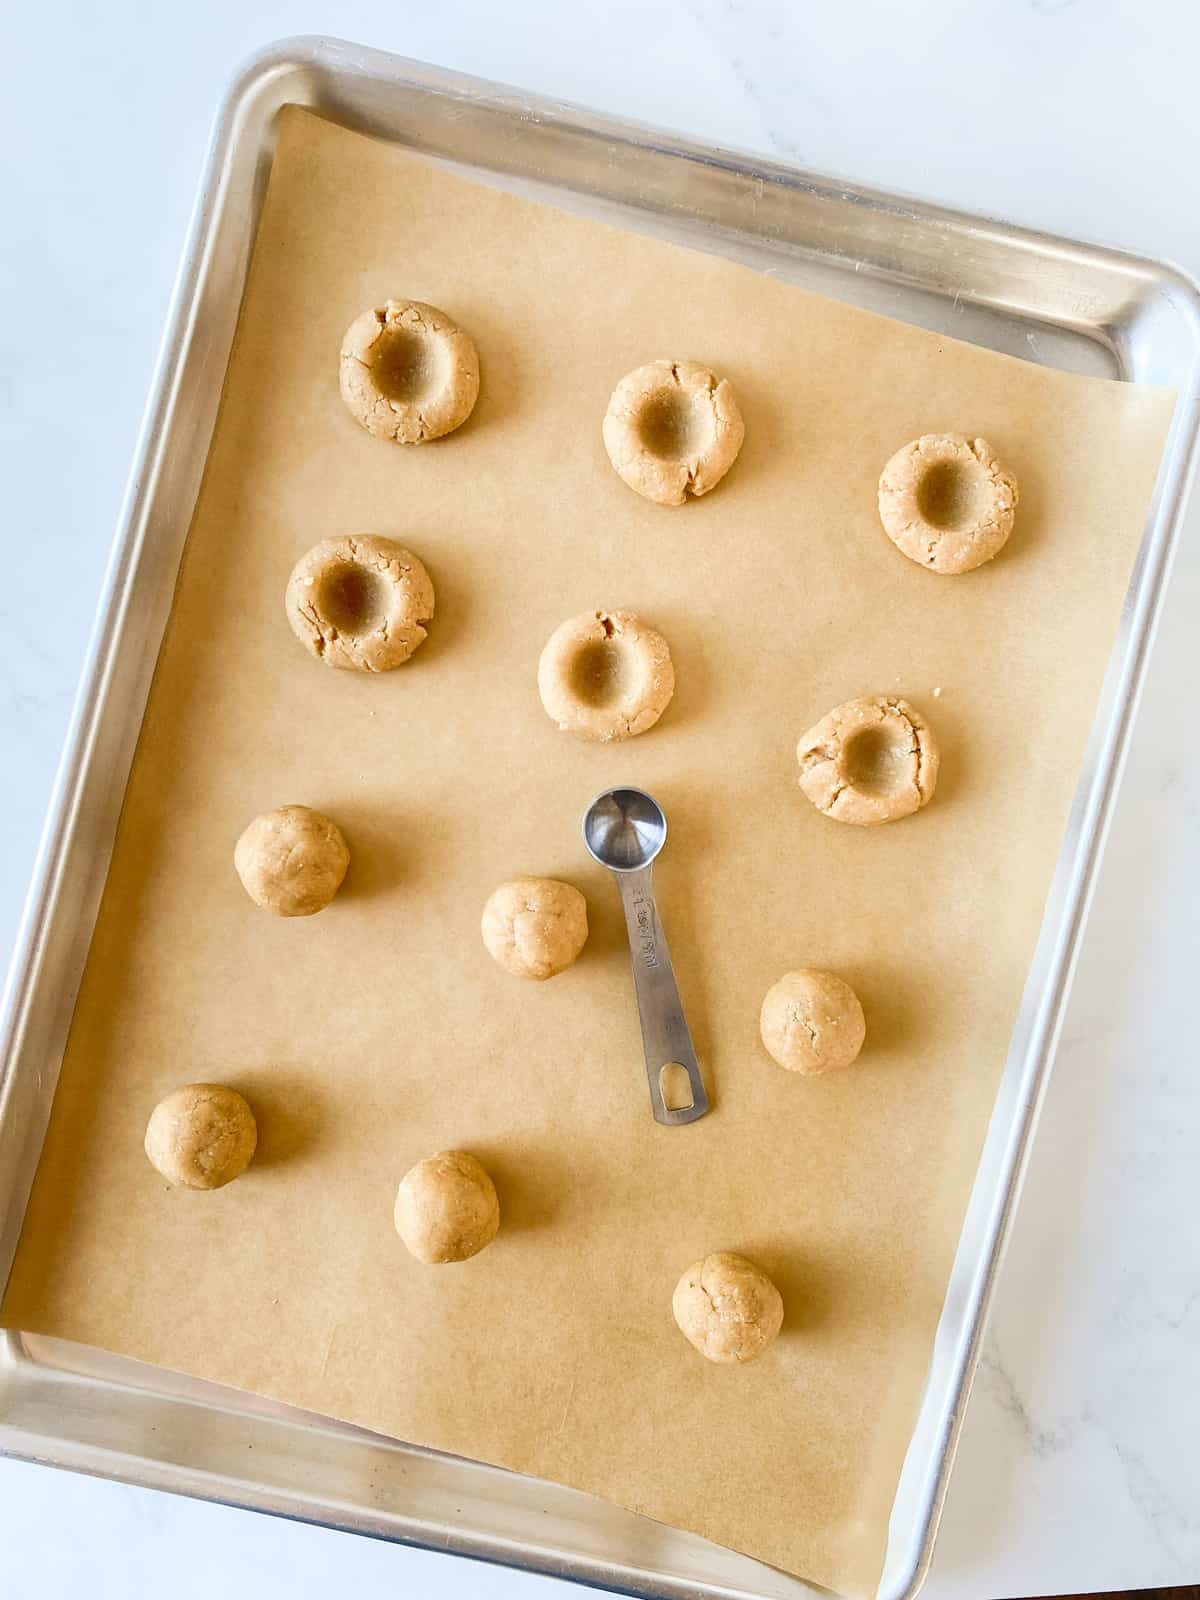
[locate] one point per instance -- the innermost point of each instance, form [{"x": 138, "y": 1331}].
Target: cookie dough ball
[
  {"x": 868, "y": 761},
  {"x": 408, "y": 372},
  {"x": 812, "y": 1022},
  {"x": 946, "y": 502},
  {"x": 201, "y": 1136},
  {"x": 291, "y": 861},
  {"x": 359, "y": 602},
  {"x": 605, "y": 675},
  {"x": 535, "y": 927},
  {"x": 446, "y": 1208},
  {"x": 672, "y": 428},
  {"x": 728, "y": 1308}
]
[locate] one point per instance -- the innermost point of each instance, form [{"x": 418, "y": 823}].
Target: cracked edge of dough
[
  {"x": 946, "y": 551},
  {"x": 408, "y": 421},
  {"x": 819, "y": 750},
  {"x": 605, "y": 724},
  {"x": 664, "y": 481},
  {"x": 399, "y": 631}
]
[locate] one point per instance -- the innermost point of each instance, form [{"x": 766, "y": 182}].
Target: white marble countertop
[{"x": 1078, "y": 1464}]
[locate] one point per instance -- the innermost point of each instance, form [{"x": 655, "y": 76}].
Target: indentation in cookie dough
[
  {"x": 605, "y": 675},
  {"x": 360, "y": 602},
  {"x": 411, "y": 367},
  {"x": 950, "y": 496},
  {"x": 352, "y": 597},
  {"x": 408, "y": 372},
  {"x": 675, "y": 424},
  {"x": 876, "y": 760},
  {"x": 869, "y": 761},
  {"x": 672, "y": 429},
  {"x": 947, "y": 503}
]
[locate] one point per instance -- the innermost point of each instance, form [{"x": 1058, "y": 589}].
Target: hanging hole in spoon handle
[{"x": 679, "y": 1095}]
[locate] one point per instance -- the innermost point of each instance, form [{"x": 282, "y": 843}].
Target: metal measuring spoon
[{"x": 624, "y": 830}]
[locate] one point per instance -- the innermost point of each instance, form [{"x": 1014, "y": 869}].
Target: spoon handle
[{"x": 665, "y": 1036}]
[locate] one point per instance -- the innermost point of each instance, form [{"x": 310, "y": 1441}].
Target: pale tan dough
[
  {"x": 728, "y": 1308},
  {"x": 201, "y": 1136},
  {"x": 447, "y": 1208},
  {"x": 359, "y": 601},
  {"x": 535, "y": 927},
  {"x": 812, "y": 1022},
  {"x": 292, "y": 861},
  {"x": 605, "y": 675},
  {"x": 870, "y": 760},
  {"x": 408, "y": 372},
  {"x": 672, "y": 428},
  {"x": 946, "y": 502}
]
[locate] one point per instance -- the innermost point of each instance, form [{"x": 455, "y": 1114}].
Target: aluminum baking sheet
[{"x": 1071, "y": 306}]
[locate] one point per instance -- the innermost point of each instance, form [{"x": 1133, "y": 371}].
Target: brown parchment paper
[{"x": 380, "y": 1031}]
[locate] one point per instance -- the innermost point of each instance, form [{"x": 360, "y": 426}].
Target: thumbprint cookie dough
[
  {"x": 359, "y": 602},
  {"x": 728, "y": 1308},
  {"x": 292, "y": 861},
  {"x": 869, "y": 761},
  {"x": 201, "y": 1136},
  {"x": 672, "y": 429},
  {"x": 812, "y": 1022},
  {"x": 535, "y": 927},
  {"x": 408, "y": 372},
  {"x": 605, "y": 675},
  {"x": 946, "y": 502},
  {"x": 447, "y": 1208}
]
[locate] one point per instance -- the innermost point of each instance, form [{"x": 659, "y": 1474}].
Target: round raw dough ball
[
  {"x": 535, "y": 927},
  {"x": 201, "y": 1136},
  {"x": 446, "y": 1208},
  {"x": 291, "y": 861},
  {"x": 408, "y": 372},
  {"x": 605, "y": 675},
  {"x": 946, "y": 502},
  {"x": 812, "y": 1022},
  {"x": 672, "y": 428},
  {"x": 728, "y": 1308},
  {"x": 360, "y": 602},
  {"x": 868, "y": 761}
]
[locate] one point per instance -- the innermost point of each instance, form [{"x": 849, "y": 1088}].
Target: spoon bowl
[{"x": 624, "y": 829}]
